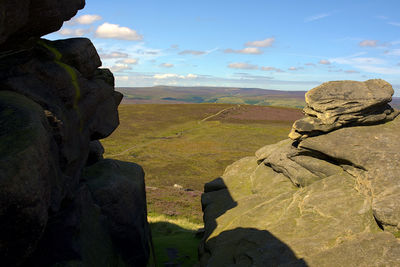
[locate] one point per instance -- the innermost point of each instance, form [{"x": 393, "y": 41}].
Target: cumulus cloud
[
  {"x": 368, "y": 43},
  {"x": 263, "y": 43},
  {"x": 118, "y": 67},
  {"x": 74, "y": 32},
  {"x": 114, "y": 31},
  {"x": 293, "y": 68},
  {"x": 114, "y": 55},
  {"x": 247, "y": 50},
  {"x": 192, "y": 52},
  {"x": 266, "y": 68},
  {"x": 129, "y": 61},
  {"x": 174, "y": 76},
  {"x": 324, "y": 62},
  {"x": 242, "y": 65},
  {"x": 317, "y": 17},
  {"x": 85, "y": 19},
  {"x": 166, "y": 65},
  {"x": 351, "y": 71}
]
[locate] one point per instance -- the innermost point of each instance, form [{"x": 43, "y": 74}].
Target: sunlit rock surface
[{"x": 326, "y": 199}]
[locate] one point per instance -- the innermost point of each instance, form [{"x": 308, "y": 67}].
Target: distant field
[
  {"x": 223, "y": 95},
  {"x": 190, "y": 144}
]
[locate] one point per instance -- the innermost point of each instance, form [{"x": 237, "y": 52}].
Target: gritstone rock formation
[
  {"x": 60, "y": 202},
  {"x": 330, "y": 196}
]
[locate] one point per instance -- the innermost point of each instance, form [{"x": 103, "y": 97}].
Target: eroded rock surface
[
  {"x": 320, "y": 200},
  {"x": 333, "y": 105},
  {"x": 55, "y": 103}
]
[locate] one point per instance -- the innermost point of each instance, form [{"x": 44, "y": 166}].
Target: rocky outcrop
[
  {"x": 327, "y": 198},
  {"x": 55, "y": 103},
  {"x": 333, "y": 105}
]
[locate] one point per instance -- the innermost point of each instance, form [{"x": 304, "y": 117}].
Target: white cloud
[
  {"x": 247, "y": 50},
  {"x": 129, "y": 61},
  {"x": 263, "y": 43},
  {"x": 241, "y": 65},
  {"x": 358, "y": 60},
  {"x": 369, "y": 43},
  {"x": 394, "y": 23},
  {"x": 266, "y": 68},
  {"x": 114, "y": 31},
  {"x": 324, "y": 62},
  {"x": 192, "y": 52},
  {"x": 309, "y": 64},
  {"x": 118, "y": 67},
  {"x": 293, "y": 68},
  {"x": 379, "y": 69},
  {"x": 74, "y": 32},
  {"x": 351, "y": 71},
  {"x": 166, "y": 65},
  {"x": 317, "y": 17},
  {"x": 394, "y": 52},
  {"x": 84, "y": 19},
  {"x": 174, "y": 76},
  {"x": 114, "y": 55},
  {"x": 368, "y": 64}
]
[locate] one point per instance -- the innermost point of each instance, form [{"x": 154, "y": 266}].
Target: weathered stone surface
[
  {"x": 330, "y": 199},
  {"x": 79, "y": 108},
  {"x": 24, "y": 19},
  {"x": 27, "y": 173},
  {"x": 96, "y": 151},
  {"x": 375, "y": 152},
  {"x": 79, "y": 53},
  {"x": 119, "y": 190},
  {"x": 333, "y": 105},
  {"x": 55, "y": 103}
]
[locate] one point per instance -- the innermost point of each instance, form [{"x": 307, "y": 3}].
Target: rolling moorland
[{"x": 183, "y": 146}]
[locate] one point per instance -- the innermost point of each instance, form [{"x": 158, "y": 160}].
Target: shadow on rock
[{"x": 239, "y": 246}]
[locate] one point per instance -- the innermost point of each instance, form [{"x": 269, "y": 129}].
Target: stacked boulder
[
  {"x": 328, "y": 196},
  {"x": 61, "y": 203}
]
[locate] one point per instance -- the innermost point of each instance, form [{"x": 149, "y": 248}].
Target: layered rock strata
[
  {"x": 325, "y": 199},
  {"x": 61, "y": 203}
]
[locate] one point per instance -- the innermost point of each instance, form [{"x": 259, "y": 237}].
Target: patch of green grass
[{"x": 174, "y": 235}]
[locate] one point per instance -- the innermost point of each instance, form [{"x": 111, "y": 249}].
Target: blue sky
[{"x": 285, "y": 45}]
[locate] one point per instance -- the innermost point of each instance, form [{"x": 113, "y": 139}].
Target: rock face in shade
[
  {"x": 55, "y": 103},
  {"x": 333, "y": 105},
  {"x": 331, "y": 199},
  {"x": 25, "y": 19}
]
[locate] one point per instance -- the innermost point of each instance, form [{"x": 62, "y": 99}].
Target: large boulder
[
  {"x": 333, "y": 105},
  {"x": 55, "y": 104},
  {"x": 118, "y": 188},
  {"x": 27, "y": 172},
  {"x": 25, "y": 19},
  {"x": 315, "y": 201}
]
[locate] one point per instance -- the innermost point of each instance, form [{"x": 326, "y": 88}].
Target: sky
[{"x": 283, "y": 45}]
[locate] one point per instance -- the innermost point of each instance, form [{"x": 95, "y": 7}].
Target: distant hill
[
  {"x": 227, "y": 95},
  {"x": 395, "y": 102}
]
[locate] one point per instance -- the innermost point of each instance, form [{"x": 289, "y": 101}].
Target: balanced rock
[
  {"x": 340, "y": 103},
  {"x": 326, "y": 199}
]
